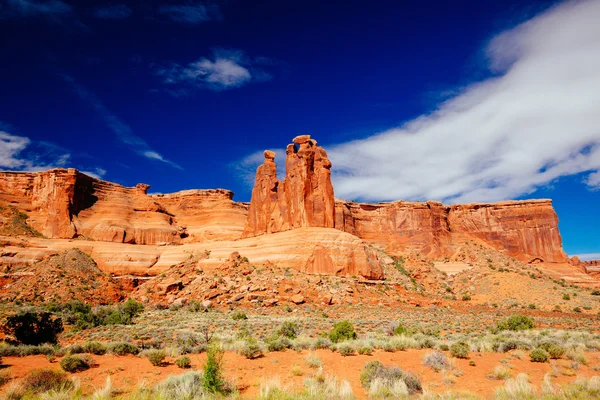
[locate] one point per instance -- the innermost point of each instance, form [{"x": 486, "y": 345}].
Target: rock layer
[
  {"x": 526, "y": 229},
  {"x": 67, "y": 204}
]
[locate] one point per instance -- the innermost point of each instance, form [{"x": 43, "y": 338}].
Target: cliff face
[
  {"x": 47, "y": 197},
  {"x": 66, "y": 204},
  {"x": 526, "y": 229},
  {"x": 303, "y": 199}
]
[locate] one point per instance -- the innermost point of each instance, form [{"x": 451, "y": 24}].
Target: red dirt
[{"x": 128, "y": 372}]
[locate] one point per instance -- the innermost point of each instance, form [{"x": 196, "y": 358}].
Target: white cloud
[
  {"x": 191, "y": 13},
  {"x": 228, "y": 69},
  {"x": 535, "y": 121},
  {"x": 22, "y": 154},
  {"x": 588, "y": 256},
  {"x": 123, "y": 131},
  {"x": 593, "y": 180},
  {"x": 117, "y": 11},
  {"x": 10, "y": 147},
  {"x": 97, "y": 173}
]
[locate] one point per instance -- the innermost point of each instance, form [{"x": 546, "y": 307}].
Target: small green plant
[
  {"x": 459, "y": 350},
  {"x": 365, "y": 350},
  {"x": 466, "y": 297},
  {"x": 345, "y": 349},
  {"x": 554, "y": 350},
  {"x": 516, "y": 322},
  {"x": 123, "y": 348},
  {"x": 94, "y": 348},
  {"x": 343, "y": 330},
  {"x": 155, "y": 356},
  {"x": 183, "y": 362},
  {"x": 75, "y": 363},
  {"x": 595, "y": 292},
  {"x": 289, "y": 330},
  {"x": 213, "y": 380},
  {"x": 539, "y": 355},
  {"x": 251, "y": 349},
  {"x": 566, "y": 296},
  {"x": 239, "y": 315}
]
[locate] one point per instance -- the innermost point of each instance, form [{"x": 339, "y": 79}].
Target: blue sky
[{"x": 455, "y": 101}]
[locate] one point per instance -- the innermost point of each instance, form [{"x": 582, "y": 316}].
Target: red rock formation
[
  {"x": 46, "y": 196},
  {"x": 304, "y": 198},
  {"x": 397, "y": 227},
  {"x": 525, "y": 229},
  {"x": 205, "y": 215},
  {"x": 66, "y": 204}
]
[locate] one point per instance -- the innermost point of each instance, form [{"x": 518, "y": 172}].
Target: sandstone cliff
[
  {"x": 526, "y": 229},
  {"x": 66, "y": 204}
]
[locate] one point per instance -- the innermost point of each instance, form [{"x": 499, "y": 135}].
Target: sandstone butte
[{"x": 296, "y": 222}]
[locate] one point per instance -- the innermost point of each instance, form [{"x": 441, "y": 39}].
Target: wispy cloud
[
  {"x": 228, "y": 69},
  {"x": 123, "y": 131},
  {"x": 22, "y": 154},
  {"x": 52, "y": 11},
  {"x": 192, "y": 13},
  {"x": 117, "y": 11},
  {"x": 535, "y": 121},
  {"x": 55, "y": 9}
]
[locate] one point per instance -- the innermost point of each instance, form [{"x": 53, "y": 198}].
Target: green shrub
[
  {"x": 345, "y": 349},
  {"x": 278, "y": 343},
  {"x": 75, "y": 363},
  {"x": 183, "y": 362},
  {"x": 555, "y": 351},
  {"x": 34, "y": 328},
  {"x": 155, "y": 356},
  {"x": 365, "y": 350},
  {"x": 289, "y": 330},
  {"x": 43, "y": 380},
  {"x": 343, "y": 330},
  {"x": 515, "y": 322},
  {"x": 239, "y": 315},
  {"x": 251, "y": 349},
  {"x": 595, "y": 292},
  {"x": 397, "y": 329},
  {"x": 566, "y": 296},
  {"x": 132, "y": 308},
  {"x": 123, "y": 348},
  {"x": 213, "y": 380},
  {"x": 94, "y": 348},
  {"x": 466, "y": 297},
  {"x": 539, "y": 355},
  {"x": 459, "y": 350}
]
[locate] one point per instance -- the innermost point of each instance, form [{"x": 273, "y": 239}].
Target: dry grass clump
[{"x": 436, "y": 361}]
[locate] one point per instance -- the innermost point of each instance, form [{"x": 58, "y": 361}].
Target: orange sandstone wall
[
  {"x": 65, "y": 204},
  {"x": 525, "y": 229}
]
